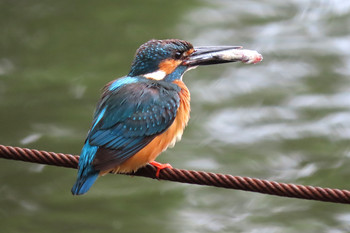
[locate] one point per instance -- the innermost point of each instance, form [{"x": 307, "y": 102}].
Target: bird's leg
[{"x": 160, "y": 166}]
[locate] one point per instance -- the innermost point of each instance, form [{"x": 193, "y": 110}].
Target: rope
[{"x": 191, "y": 177}]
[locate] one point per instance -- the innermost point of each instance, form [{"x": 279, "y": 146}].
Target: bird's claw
[{"x": 160, "y": 166}]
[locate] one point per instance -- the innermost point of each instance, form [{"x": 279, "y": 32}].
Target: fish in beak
[{"x": 209, "y": 55}]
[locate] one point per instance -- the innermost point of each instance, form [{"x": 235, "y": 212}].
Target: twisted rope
[{"x": 191, "y": 177}]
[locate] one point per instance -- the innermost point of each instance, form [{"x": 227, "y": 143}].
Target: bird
[{"x": 143, "y": 113}]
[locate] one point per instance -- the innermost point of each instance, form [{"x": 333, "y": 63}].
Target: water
[{"x": 286, "y": 119}]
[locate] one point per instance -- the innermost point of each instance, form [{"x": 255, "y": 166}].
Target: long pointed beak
[{"x": 210, "y": 55}]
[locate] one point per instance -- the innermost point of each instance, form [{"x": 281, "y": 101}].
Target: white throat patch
[{"x": 157, "y": 75}]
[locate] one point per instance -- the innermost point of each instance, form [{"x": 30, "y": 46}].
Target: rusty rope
[{"x": 191, "y": 177}]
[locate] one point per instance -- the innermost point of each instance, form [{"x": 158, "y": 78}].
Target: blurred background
[{"x": 286, "y": 119}]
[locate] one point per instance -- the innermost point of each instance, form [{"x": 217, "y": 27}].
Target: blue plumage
[
  {"x": 120, "y": 82},
  {"x": 176, "y": 74},
  {"x": 131, "y": 112},
  {"x": 86, "y": 174}
]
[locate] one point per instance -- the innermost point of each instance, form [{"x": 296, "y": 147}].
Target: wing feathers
[{"x": 129, "y": 117}]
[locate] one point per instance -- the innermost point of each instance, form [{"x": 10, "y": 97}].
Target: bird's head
[{"x": 170, "y": 59}]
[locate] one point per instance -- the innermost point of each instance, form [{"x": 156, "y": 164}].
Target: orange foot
[{"x": 160, "y": 166}]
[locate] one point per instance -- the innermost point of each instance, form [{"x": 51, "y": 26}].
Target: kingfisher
[{"x": 143, "y": 113}]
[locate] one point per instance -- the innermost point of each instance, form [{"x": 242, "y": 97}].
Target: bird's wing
[{"x": 128, "y": 118}]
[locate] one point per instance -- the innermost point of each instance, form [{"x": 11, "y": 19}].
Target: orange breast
[{"x": 162, "y": 141}]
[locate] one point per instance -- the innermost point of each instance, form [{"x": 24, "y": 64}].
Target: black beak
[{"x": 210, "y": 55}]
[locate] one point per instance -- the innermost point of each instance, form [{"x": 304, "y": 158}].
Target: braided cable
[{"x": 191, "y": 177}]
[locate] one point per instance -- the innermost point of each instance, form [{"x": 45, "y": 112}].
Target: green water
[{"x": 286, "y": 119}]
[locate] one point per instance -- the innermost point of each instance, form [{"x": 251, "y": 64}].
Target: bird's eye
[{"x": 178, "y": 55}]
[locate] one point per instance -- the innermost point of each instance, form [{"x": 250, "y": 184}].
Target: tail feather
[
  {"x": 84, "y": 183},
  {"x": 87, "y": 175}
]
